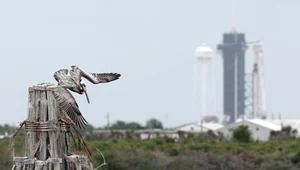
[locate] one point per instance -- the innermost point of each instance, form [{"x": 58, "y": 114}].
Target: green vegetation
[
  {"x": 6, "y": 128},
  {"x": 123, "y": 125},
  {"x": 150, "y": 124},
  {"x": 242, "y": 134},
  {"x": 204, "y": 151},
  {"x": 154, "y": 124}
]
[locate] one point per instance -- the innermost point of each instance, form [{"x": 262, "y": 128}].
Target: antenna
[
  {"x": 166, "y": 123},
  {"x": 233, "y": 15}
]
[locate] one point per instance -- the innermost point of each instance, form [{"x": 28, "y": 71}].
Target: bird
[{"x": 72, "y": 80}]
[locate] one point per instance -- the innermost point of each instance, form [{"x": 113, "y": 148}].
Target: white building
[
  {"x": 260, "y": 129},
  {"x": 294, "y": 124},
  {"x": 195, "y": 127},
  {"x": 153, "y": 133}
]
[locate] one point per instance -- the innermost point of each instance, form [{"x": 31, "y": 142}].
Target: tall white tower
[{"x": 203, "y": 55}]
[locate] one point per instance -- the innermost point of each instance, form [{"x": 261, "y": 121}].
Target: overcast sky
[{"x": 151, "y": 44}]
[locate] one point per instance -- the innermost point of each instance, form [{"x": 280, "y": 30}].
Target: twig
[
  {"x": 73, "y": 140},
  {"x": 12, "y": 140},
  {"x": 79, "y": 136},
  {"x": 104, "y": 162},
  {"x": 82, "y": 141}
]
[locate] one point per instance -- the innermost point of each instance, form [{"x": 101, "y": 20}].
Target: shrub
[
  {"x": 172, "y": 151},
  {"x": 296, "y": 158},
  {"x": 242, "y": 134}
]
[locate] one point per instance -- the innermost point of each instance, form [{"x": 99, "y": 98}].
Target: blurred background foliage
[{"x": 195, "y": 151}]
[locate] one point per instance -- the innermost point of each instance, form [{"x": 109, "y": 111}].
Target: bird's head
[{"x": 83, "y": 89}]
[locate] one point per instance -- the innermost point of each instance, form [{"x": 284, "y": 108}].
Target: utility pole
[
  {"x": 166, "y": 123},
  {"x": 107, "y": 117}
]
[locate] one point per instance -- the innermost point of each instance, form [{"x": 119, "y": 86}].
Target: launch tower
[{"x": 233, "y": 52}]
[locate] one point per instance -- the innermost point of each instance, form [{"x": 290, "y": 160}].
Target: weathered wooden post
[{"x": 47, "y": 138}]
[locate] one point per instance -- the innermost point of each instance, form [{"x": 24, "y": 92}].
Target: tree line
[
  {"x": 118, "y": 125},
  {"x": 150, "y": 124}
]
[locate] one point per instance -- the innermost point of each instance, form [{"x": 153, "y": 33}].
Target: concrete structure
[
  {"x": 233, "y": 51},
  {"x": 260, "y": 129}
]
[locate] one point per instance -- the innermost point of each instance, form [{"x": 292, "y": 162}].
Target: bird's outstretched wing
[
  {"x": 68, "y": 104},
  {"x": 101, "y": 77},
  {"x": 95, "y": 78},
  {"x": 60, "y": 73}
]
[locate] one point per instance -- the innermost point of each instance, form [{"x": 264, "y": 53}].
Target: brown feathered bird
[{"x": 74, "y": 82}]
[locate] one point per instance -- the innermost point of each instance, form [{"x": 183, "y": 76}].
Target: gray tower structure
[{"x": 233, "y": 51}]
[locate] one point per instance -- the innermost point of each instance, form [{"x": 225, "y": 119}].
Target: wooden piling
[{"x": 47, "y": 138}]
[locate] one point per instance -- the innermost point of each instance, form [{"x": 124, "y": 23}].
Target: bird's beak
[{"x": 86, "y": 95}]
